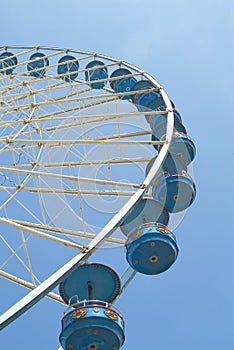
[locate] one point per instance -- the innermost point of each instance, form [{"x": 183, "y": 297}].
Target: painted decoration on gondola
[
  {"x": 160, "y": 229},
  {"x": 111, "y": 314},
  {"x": 79, "y": 313}
]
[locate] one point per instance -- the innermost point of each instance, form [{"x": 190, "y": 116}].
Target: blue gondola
[
  {"x": 156, "y": 119},
  {"x": 8, "y": 61},
  {"x": 158, "y": 104},
  {"x": 175, "y": 192},
  {"x": 68, "y": 67},
  {"x": 151, "y": 249},
  {"x": 172, "y": 164},
  {"x": 145, "y": 98},
  {"x": 147, "y": 210},
  {"x": 92, "y": 323},
  {"x": 97, "y": 73},
  {"x": 182, "y": 145},
  {"x": 37, "y": 65},
  {"x": 159, "y": 132},
  {"x": 142, "y": 99},
  {"x": 121, "y": 83},
  {"x": 141, "y": 85}
]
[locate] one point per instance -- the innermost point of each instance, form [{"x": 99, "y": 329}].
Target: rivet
[{"x": 135, "y": 262}]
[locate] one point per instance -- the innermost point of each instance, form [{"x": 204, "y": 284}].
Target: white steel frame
[{"x": 45, "y": 288}]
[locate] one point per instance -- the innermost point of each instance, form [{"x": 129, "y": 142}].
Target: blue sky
[{"x": 188, "y": 47}]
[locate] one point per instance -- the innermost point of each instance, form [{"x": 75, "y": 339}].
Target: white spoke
[
  {"x": 68, "y": 177},
  {"x": 28, "y": 285},
  {"x": 59, "y": 230},
  {"x": 40, "y": 234},
  {"x": 80, "y": 142},
  {"x": 14, "y": 254},
  {"x": 27, "y": 256}
]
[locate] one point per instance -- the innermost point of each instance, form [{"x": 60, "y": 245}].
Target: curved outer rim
[{"x": 51, "y": 282}]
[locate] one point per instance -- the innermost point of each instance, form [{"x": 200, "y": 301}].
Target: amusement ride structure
[{"x": 93, "y": 153}]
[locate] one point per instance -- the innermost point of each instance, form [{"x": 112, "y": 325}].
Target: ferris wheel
[{"x": 93, "y": 153}]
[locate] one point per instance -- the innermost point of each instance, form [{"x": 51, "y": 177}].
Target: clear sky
[{"x": 187, "y": 46}]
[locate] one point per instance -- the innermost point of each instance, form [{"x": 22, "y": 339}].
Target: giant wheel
[{"x": 83, "y": 137}]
